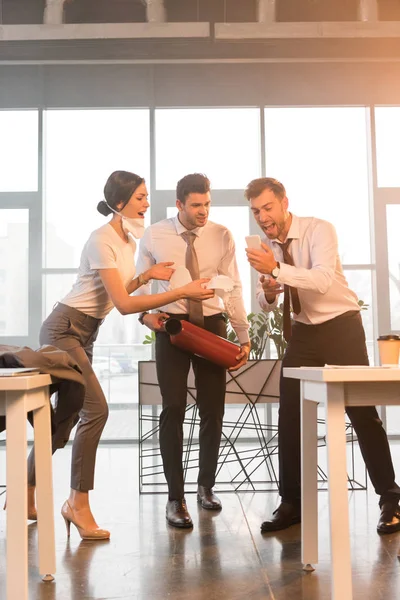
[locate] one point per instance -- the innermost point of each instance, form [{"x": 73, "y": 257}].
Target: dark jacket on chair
[{"x": 68, "y": 383}]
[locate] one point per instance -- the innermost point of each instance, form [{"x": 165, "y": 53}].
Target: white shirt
[
  {"x": 318, "y": 275},
  {"x": 105, "y": 249},
  {"x": 215, "y": 251}
]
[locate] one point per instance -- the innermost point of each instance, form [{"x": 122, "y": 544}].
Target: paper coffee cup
[{"x": 389, "y": 350}]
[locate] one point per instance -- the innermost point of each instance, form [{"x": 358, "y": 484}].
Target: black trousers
[
  {"x": 173, "y": 367},
  {"x": 339, "y": 341}
]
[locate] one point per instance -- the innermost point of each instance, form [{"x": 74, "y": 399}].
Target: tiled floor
[{"x": 224, "y": 557}]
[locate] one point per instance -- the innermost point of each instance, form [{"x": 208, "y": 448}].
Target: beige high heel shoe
[{"x": 86, "y": 534}]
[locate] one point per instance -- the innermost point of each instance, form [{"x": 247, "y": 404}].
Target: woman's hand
[
  {"x": 196, "y": 290},
  {"x": 161, "y": 271}
]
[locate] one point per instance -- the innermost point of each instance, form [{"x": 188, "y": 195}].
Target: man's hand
[
  {"x": 155, "y": 321},
  {"x": 271, "y": 288},
  {"x": 263, "y": 260},
  {"x": 242, "y": 357}
]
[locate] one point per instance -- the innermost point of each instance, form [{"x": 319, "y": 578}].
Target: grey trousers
[{"x": 73, "y": 331}]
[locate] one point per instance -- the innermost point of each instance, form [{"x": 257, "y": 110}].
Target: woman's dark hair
[
  {"x": 119, "y": 188},
  {"x": 195, "y": 183}
]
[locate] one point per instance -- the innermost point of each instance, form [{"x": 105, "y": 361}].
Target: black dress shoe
[
  {"x": 177, "y": 514},
  {"x": 389, "y": 521},
  {"x": 283, "y": 517},
  {"x": 207, "y": 498}
]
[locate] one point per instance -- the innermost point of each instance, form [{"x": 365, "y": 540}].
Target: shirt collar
[
  {"x": 294, "y": 230},
  {"x": 181, "y": 229}
]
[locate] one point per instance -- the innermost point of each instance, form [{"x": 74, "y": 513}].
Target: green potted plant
[
  {"x": 263, "y": 327},
  {"x": 150, "y": 338}
]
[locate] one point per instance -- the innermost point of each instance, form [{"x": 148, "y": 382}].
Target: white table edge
[{"x": 332, "y": 375}]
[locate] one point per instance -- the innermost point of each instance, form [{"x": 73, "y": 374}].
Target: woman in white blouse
[{"x": 106, "y": 278}]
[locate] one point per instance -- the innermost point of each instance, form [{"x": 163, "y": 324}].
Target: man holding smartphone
[
  {"x": 207, "y": 250},
  {"x": 301, "y": 254}
]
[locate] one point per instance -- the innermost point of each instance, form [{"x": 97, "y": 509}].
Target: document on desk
[{"x": 4, "y": 372}]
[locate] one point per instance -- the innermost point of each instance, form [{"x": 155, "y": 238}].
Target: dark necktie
[
  {"x": 289, "y": 293},
  {"x": 192, "y": 264}
]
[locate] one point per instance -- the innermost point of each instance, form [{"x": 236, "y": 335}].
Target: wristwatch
[
  {"x": 142, "y": 316},
  {"x": 276, "y": 270}
]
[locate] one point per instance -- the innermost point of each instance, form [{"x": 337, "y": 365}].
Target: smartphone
[{"x": 253, "y": 241}]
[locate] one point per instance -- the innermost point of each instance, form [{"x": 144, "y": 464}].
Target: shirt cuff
[
  {"x": 264, "y": 304},
  {"x": 243, "y": 336},
  {"x": 284, "y": 274}
]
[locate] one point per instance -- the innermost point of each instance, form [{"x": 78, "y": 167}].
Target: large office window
[
  {"x": 81, "y": 149},
  {"x": 387, "y": 131},
  {"x": 393, "y": 222},
  {"x": 387, "y": 119},
  {"x": 223, "y": 143},
  {"x": 14, "y": 261},
  {"x": 320, "y": 155},
  {"x": 18, "y": 150}
]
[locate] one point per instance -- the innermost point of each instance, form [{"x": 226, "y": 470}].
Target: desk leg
[
  {"x": 309, "y": 483},
  {"x": 338, "y": 495},
  {"x": 17, "y": 503},
  {"x": 44, "y": 489}
]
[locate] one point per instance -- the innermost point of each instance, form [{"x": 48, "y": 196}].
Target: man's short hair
[
  {"x": 258, "y": 186},
  {"x": 195, "y": 183}
]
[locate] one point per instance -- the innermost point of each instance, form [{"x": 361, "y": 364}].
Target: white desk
[
  {"x": 335, "y": 388},
  {"x": 18, "y": 396}
]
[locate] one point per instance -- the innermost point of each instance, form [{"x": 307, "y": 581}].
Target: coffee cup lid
[{"x": 388, "y": 337}]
